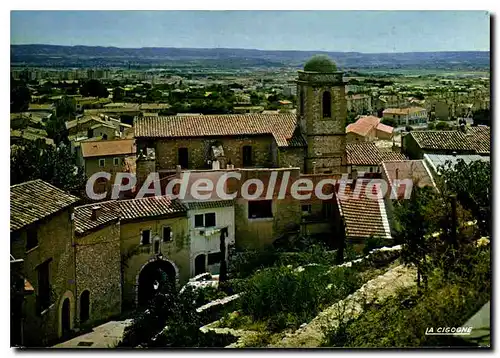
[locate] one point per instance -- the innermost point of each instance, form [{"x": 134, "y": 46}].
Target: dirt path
[{"x": 375, "y": 290}]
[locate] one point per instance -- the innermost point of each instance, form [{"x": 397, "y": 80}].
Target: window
[
  {"x": 327, "y": 105},
  {"x": 198, "y": 220},
  {"x": 210, "y": 220},
  {"x": 183, "y": 159},
  {"x": 43, "y": 298},
  {"x": 371, "y": 169},
  {"x": 116, "y": 161},
  {"x": 102, "y": 162},
  {"x": 145, "y": 237},
  {"x": 214, "y": 258},
  {"x": 167, "y": 234},
  {"x": 157, "y": 246},
  {"x": 207, "y": 220},
  {"x": 306, "y": 209},
  {"x": 31, "y": 238},
  {"x": 84, "y": 306},
  {"x": 247, "y": 156},
  {"x": 260, "y": 209}
]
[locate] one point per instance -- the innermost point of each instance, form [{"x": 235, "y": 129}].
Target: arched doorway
[
  {"x": 153, "y": 277},
  {"x": 199, "y": 265},
  {"x": 84, "y": 306},
  {"x": 65, "y": 317}
]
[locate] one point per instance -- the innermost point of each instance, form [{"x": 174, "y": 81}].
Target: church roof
[
  {"x": 320, "y": 63},
  {"x": 281, "y": 126}
]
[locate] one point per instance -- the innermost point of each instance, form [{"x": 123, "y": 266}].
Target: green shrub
[
  {"x": 288, "y": 297},
  {"x": 450, "y": 300}
]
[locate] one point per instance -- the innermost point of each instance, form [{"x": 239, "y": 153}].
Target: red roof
[
  {"x": 280, "y": 126},
  {"x": 363, "y": 125},
  {"x": 108, "y": 147}
]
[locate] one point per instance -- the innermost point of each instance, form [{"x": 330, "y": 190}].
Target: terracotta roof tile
[
  {"x": 364, "y": 216},
  {"x": 363, "y": 125},
  {"x": 416, "y": 170},
  {"x": 103, "y": 148},
  {"x": 367, "y": 153},
  {"x": 198, "y": 205},
  {"x": 280, "y": 126},
  {"x": 131, "y": 209},
  {"x": 34, "y": 200},
  {"x": 475, "y": 139}
]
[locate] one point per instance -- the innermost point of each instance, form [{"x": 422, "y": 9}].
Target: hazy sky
[{"x": 360, "y": 31}]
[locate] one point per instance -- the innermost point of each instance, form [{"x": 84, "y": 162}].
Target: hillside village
[{"x": 79, "y": 263}]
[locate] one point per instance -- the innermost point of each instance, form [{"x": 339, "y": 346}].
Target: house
[
  {"x": 469, "y": 140},
  {"x": 105, "y": 156},
  {"x": 207, "y": 222},
  {"x": 406, "y": 116},
  {"x": 368, "y": 128},
  {"x": 359, "y": 103},
  {"x": 366, "y": 157},
  {"x": 41, "y": 236}
]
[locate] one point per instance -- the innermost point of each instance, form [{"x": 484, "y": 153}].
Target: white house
[{"x": 206, "y": 221}]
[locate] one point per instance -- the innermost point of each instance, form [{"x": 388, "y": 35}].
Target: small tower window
[{"x": 327, "y": 105}]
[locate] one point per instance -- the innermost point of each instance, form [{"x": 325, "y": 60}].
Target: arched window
[
  {"x": 327, "y": 105},
  {"x": 84, "y": 306}
]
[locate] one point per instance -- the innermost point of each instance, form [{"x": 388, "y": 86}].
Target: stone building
[
  {"x": 41, "y": 235},
  {"x": 312, "y": 140}
]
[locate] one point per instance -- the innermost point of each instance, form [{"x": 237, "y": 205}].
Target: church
[{"x": 314, "y": 139}]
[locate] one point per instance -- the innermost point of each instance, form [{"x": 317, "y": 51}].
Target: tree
[
  {"x": 94, "y": 88},
  {"x": 441, "y": 126},
  {"x": 118, "y": 94},
  {"x": 66, "y": 108},
  {"x": 20, "y": 98},
  {"x": 481, "y": 117},
  {"x": 389, "y": 122},
  {"x": 416, "y": 218},
  {"x": 55, "y": 165},
  {"x": 431, "y": 125},
  {"x": 472, "y": 184}
]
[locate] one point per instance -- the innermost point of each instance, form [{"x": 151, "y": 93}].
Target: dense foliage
[
  {"x": 171, "y": 320},
  {"x": 284, "y": 297},
  {"x": 55, "y": 165}
]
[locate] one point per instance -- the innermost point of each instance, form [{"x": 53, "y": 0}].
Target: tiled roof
[
  {"x": 363, "y": 125},
  {"x": 364, "y": 216},
  {"x": 108, "y": 212},
  {"x": 474, "y": 139},
  {"x": 125, "y": 210},
  {"x": 385, "y": 128},
  {"x": 103, "y": 148},
  {"x": 403, "y": 111},
  {"x": 34, "y": 200},
  {"x": 367, "y": 153},
  {"x": 150, "y": 207},
  {"x": 280, "y": 126},
  {"x": 199, "y": 205},
  {"x": 416, "y": 170}
]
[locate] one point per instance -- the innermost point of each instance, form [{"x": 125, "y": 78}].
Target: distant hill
[{"x": 52, "y": 55}]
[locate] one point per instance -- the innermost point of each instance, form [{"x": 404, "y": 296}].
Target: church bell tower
[{"x": 322, "y": 114}]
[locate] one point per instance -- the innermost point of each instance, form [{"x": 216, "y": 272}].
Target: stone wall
[
  {"x": 291, "y": 157},
  {"x": 135, "y": 256},
  {"x": 98, "y": 270},
  {"x": 199, "y": 151},
  {"x": 55, "y": 244}
]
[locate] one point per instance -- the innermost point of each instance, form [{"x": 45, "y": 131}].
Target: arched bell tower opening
[{"x": 322, "y": 115}]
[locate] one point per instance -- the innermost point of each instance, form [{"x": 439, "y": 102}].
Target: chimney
[{"x": 95, "y": 212}]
